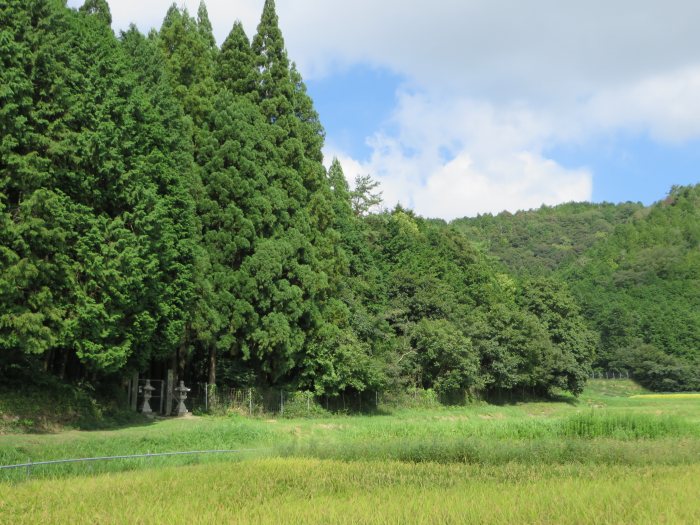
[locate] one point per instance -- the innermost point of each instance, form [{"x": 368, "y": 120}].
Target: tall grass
[
  {"x": 667, "y": 396},
  {"x": 619, "y": 431},
  {"x": 551, "y": 451},
  {"x": 625, "y": 425},
  {"x": 304, "y": 491}
]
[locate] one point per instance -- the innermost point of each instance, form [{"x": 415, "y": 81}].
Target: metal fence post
[
  {"x": 134, "y": 390},
  {"x": 169, "y": 392},
  {"x": 250, "y": 401},
  {"x": 162, "y": 389},
  {"x": 282, "y": 402},
  {"x": 206, "y": 397}
]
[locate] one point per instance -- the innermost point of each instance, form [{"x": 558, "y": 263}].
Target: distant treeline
[
  {"x": 633, "y": 270},
  {"x": 163, "y": 204}
]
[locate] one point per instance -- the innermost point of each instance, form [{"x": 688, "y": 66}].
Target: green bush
[{"x": 303, "y": 405}]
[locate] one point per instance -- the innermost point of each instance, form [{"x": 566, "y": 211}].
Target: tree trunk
[
  {"x": 181, "y": 361},
  {"x": 48, "y": 359},
  {"x": 212, "y": 366},
  {"x": 64, "y": 363},
  {"x": 211, "y": 391}
]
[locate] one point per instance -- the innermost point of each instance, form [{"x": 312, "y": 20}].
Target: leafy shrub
[{"x": 303, "y": 405}]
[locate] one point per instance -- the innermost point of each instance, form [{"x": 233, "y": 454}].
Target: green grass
[
  {"x": 625, "y": 426},
  {"x": 599, "y": 428},
  {"x": 606, "y": 457},
  {"x": 667, "y": 396}
]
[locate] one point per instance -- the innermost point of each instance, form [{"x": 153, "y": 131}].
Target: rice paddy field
[{"x": 615, "y": 455}]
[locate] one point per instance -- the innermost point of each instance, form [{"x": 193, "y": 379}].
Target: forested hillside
[
  {"x": 538, "y": 242},
  {"x": 640, "y": 288},
  {"x": 633, "y": 271},
  {"x": 163, "y": 204}
]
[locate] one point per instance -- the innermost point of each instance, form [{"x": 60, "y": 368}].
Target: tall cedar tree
[
  {"x": 236, "y": 210},
  {"x": 294, "y": 267},
  {"x": 190, "y": 56},
  {"x": 36, "y": 223},
  {"x": 183, "y": 265}
]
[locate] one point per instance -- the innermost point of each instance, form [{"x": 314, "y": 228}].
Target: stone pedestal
[
  {"x": 181, "y": 394},
  {"x": 147, "y": 394}
]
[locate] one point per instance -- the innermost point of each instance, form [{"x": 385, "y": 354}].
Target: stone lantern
[
  {"x": 147, "y": 394},
  {"x": 181, "y": 393}
]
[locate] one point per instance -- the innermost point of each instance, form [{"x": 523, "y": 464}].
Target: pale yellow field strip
[{"x": 666, "y": 396}]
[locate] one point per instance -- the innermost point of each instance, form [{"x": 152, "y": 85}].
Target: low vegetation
[
  {"x": 298, "y": 490},
  {"x": 565, "y": 461},
  {"x": 53, "y": 406}
]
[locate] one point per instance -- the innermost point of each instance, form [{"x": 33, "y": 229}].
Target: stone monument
[
  {"x": 181, "y": 396},
  {"x": 147, "y": 394}
]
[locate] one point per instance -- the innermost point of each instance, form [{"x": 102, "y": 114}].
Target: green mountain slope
[
  {"x": 640, "y": 288},
  {"x": 633, "y": 271},
  {"x": 537, "y": 242}
]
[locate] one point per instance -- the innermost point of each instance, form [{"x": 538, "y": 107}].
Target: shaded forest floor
[{"x": 53, "y": 407}]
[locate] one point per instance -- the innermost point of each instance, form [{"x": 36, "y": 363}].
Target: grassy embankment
[
  {"x": 53, "y": 407},
  {"x": 607, "y": 457}
]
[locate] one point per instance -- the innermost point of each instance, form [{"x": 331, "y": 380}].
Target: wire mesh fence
[
  {"x": 260, "y": 402},
  {"x": 100, "y": 464},
  {"x": 279, "y": 402},
  {"x": 610, "y": 374}
]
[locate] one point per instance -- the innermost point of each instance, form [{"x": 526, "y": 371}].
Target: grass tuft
[{"x": 625, "y": 426}]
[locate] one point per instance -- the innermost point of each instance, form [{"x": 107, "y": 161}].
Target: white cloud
[
  {"x": 665, "y": 105},
  {"x": 497, "y": 48},
  {"x": 502, "y": 81},
  {"x": 521, "y": 181},
  {"x": 451, "y": 158}
]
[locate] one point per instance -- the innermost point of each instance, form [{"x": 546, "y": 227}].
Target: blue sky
[
  {"x": 353, "y": 104},
  {"x": 633, "y": 167},
  {"x": 461, "y": 107},
  {"x": 626, "y": 166}
]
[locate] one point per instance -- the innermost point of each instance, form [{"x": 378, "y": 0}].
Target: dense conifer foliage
[{"x": 164, "y": 204}]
